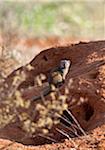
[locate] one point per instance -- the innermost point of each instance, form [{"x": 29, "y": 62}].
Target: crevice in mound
[
  {"x": 88, "y": 111},
  {"x": 85, "y": 111},
  {"x": 93, "y": 74},
  {"x": 45, "y": 58}
]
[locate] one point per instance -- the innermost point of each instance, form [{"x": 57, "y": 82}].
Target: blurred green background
[{"x": 77, "y": 19}]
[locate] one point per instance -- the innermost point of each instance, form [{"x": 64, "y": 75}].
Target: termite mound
[{"x": 86, "y": 98}]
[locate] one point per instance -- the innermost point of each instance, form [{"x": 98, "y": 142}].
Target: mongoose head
[{"x": 65, "y": 65}]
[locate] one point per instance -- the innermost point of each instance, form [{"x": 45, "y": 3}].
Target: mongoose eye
[{"x": 63, "y": 65}]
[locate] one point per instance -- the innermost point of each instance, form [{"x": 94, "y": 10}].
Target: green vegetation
[{"x": 74, "y": 19}]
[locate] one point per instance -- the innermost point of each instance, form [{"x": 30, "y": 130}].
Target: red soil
[{"x": 87, "y": 90}]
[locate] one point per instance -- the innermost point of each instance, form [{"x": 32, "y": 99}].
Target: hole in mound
[
  {"x": 68, "y": 127},
  {"x": 93, "y": 75},
  {"x": 45, "y": 58},
  {"x": 89, "y": 111}
]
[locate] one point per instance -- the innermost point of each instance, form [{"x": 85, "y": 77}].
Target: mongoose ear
[{"x": 69, "y": 61}]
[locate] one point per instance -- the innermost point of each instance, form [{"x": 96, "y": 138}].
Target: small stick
[
  {"x": 76, "y": 122},
  {"x": 66, "y": 135},
  {"x": 66, "y": 120},
  {"x": 47, "y": 137},
  {"x": 75, "y": 133}
]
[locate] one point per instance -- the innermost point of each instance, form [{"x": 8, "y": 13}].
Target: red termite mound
[{"x": 86, "y": 98}]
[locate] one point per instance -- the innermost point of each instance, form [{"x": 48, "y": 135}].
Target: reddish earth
[{"x": 86, "y": 98}]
